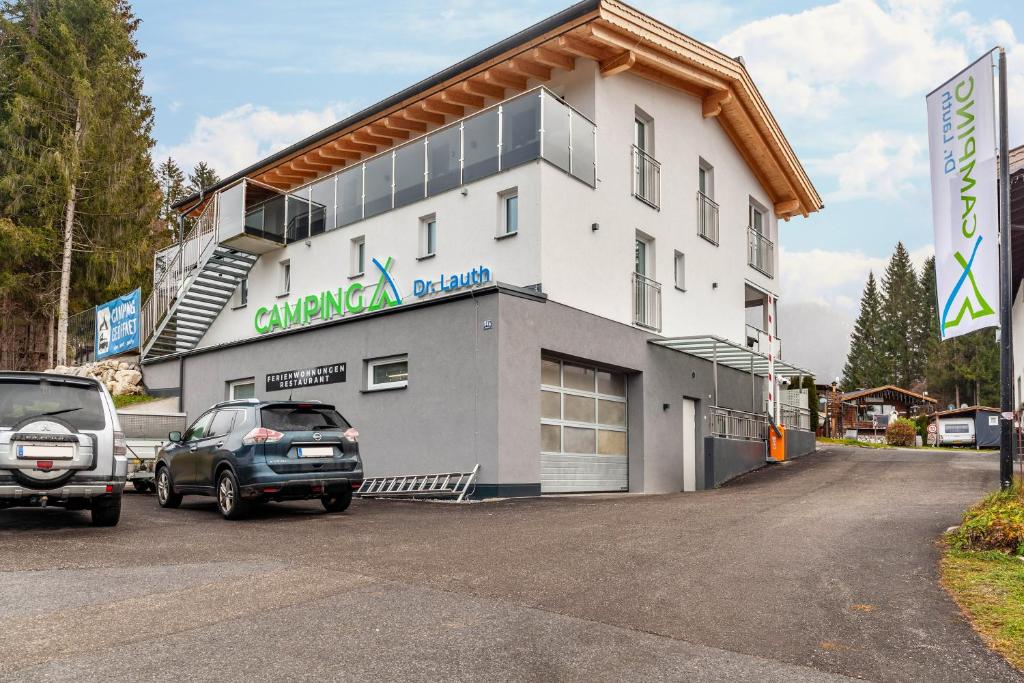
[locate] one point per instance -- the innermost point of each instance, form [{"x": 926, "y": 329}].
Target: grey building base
[
  {"x": 726, "y": 459},
  {"x": 474, "y": 388},
  {"x": 799, "y": 442}
]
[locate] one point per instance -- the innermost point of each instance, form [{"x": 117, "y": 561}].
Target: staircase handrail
[{"x": 192, "y": 251}]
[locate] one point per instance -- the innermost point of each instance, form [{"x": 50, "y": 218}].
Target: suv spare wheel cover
[{"x": 41, "y": 427}]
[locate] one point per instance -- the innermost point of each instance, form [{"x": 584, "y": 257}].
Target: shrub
[
  {"x": 901, "y": 432},
  {"x": 996, "y": 523}
]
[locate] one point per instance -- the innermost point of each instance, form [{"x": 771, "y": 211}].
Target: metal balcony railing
[
  {"x": 646, "y": 178},
  {"x": 707, "y": 217},
  {"x": 646, "y": 302},
  {"x": 760, "y": 252},
  {"x": 737, "y": 424},
  {"x": 795, "y": 417}
]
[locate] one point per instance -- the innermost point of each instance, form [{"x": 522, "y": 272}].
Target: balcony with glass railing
[
  {"x": 760, "y": 252},
  {"x": 534, "y": 125}
]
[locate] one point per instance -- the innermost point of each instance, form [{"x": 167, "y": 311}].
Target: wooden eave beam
[
  {"x": 580, "y": 48},
  {"x": 616, "y": 65},
  {"x": 287, "y": 175},
  {"x": 405, "y": 124},
  {"x": 439, "y": 106},
  {"x": 787, "y": 208},
  {"x": 280, "y": 184},
  {"x": 713, "y": 103},
  {"x": 416, "y": 113},
  {"x": 386, "y": 131},
  {"x": 371, "y": 139},
  {"x": 307, "y": 164},
  {"x": 347, "y": 144},
  {"x": 483, "y": 89},
  {"x": 333, "y": 154},
  {"x": 503, "y": 79},
  {"x": 529, "y": 68},
  {"x": 460, "y": 97},
  {"x": 553, "y": 58}
]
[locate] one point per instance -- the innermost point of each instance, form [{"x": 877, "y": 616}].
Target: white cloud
[
  {"x": 241, "y": 136},
  {"x": 882, "y": 165},
  {"x": 805, "y": 61}
]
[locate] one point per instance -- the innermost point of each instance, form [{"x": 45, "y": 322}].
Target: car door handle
[
  {"x": 192, "y": 449},
  {"x": 218, "y": 444}
]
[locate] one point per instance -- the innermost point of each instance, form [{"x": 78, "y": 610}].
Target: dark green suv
[{"x": 250, "y": 451}]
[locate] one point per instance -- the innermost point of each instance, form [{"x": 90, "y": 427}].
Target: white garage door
[{"x": 583, "y": 428}]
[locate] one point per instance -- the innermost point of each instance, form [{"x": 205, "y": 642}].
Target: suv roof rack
[{"x": 237, "y": 401}]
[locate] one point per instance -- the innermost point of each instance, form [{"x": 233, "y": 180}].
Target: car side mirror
[{"x": 174, "y": 437}]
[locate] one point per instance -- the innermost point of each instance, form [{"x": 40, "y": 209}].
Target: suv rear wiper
[{"x": 55, "y": 412}]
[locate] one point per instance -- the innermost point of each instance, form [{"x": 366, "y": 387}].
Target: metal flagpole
[{"x": 1005, "y": 293}]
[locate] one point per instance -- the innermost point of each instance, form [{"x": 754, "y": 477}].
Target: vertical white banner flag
[{"x": 965, "y": 212}]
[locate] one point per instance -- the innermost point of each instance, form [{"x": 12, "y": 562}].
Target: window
[
  {"x": 643, "y": 262},
  {"x": 242, "y": 388},
  {"x": 303, "y": 418},
  {"x": 757, "y": 220},
  {"x": 387, "y": 373},
  {"x": 222, "y": 422},
  {"x": 428, "y": 236},
  {"x": 680, "y": 271},
  {"x": 199, "y": 428},
  {"x": 286, "y": 277},
  {"x": 706, "y": 179},
  {"x": 509, "y": 213},
  {"x": 242, "y": 293},
  {"x": 642, "y": 132},
  {"x": 358, "y": 257}
]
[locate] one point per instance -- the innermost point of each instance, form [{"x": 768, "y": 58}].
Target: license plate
[
  {"x": 316, "y": 452},
  {"x": 47, "y": 452}
]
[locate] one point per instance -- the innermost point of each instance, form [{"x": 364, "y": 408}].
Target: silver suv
[{"x": 60, "y": 444}]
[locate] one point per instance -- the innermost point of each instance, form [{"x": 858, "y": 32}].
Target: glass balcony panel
[
  {"x": 480, "y": 146},
  {"x": 297, "y": 216},
  {"x": 443, "y": 152},
  {"x": 321, "y": 200},
  {"x": 378, "y": 185},
  {"x": 230, "y": 211},
  {"x": 583, "y": 149},
  {"x": 350, "y": 196},
  {"x": 520, "y": 130},
  {"x": 556, "y": 132},
  {"x": 409, "y": 161},
  {"x": 267, "y": 217}
]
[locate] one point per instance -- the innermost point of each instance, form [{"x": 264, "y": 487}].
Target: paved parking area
[{"x": 818, "y": 570}]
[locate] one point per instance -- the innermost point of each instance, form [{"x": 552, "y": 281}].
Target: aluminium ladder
[{"x": 446, "y": 484}]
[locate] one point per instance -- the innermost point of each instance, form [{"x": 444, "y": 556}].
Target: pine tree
[
  {"x": 172, "y": 186},
  {"x": 76, "y": 138},
  {"x": 901, "y": 320},
  {"x": 202, "y": 177},
  {"x": 865, "y": 366}
]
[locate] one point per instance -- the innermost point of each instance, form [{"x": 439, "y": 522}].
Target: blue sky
[{"x": 233, "y": 81}]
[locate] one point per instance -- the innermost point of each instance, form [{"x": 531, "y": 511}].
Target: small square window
[
  {"x": 509, "y": 213},
  {"x": 242, "y": 388},
  {"x": 286, "y": 278},
  {"x": 428, "y": 236},
  {"x": 680, "y": 271},
  {"x": 358, "y": 257},
  {"x": 387, "y": 373}
]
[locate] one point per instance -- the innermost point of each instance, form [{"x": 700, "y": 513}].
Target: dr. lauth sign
[{"x": 962, "y": 150}]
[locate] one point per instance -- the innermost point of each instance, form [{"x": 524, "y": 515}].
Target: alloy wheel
[
  {"x": 163, "y": 486},
  {"x": 226, "y": 495}
]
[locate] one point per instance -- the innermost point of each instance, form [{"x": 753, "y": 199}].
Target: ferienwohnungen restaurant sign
[{"x": 965, "y": 214}]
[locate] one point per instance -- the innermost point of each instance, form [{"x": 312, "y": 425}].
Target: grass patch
[
  {"x": 996, "y": 523},
  {"x": 871, "y": 444},
  {"x": 122, "y": 401},
  {"x": 852, "y": 442},
  {"x": 989, "y": 588}
]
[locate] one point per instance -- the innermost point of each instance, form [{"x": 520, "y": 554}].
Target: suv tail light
[
  {"x": 351, "y": 434},
  {"x": 120, "y": 446},
  {"x": 262, "y": 435}
]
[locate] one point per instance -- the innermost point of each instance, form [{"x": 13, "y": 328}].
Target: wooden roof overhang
[
  {"x": 619, "y": 38},
  {"x": 890, "y": 393}
]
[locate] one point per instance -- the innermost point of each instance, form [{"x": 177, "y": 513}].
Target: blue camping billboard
[{"x": 117, "y": 325}]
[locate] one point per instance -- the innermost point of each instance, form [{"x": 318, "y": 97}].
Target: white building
[{"x": 607, "y": 194}]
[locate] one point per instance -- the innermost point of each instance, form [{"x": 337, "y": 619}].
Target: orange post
[{"x": 777, "y": 444}]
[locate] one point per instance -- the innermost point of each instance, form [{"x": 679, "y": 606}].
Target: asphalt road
[{"x": 816, "y": 570}]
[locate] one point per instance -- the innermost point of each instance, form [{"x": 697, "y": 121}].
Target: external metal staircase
[{"x": 196, "y": 284}]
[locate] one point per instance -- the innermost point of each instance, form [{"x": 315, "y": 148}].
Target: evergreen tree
[
  {"x": 75, "y": 167},
  {"x": 201, "y": 178},
  {"x": 865, "y": 366},
  {"x": 172, "y": 186},
  {"x": 900, "y": 332}
]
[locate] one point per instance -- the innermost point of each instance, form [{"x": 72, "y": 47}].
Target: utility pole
[{"x": 1005, "y": 293}]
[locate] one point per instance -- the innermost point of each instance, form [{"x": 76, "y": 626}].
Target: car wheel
[
  {"x": 337, "y": 501},
  {"x": 229, "y": 500},
  {"x": 106, "y": 511},
  {"x": 165, "y": 494}
]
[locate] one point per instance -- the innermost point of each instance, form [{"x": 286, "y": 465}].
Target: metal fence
[
  {"x": 646, "y": 302},
  {"x": 737, "y": 424},
  {"x": 646, "y": 177},
  {"x": 150, "y": 426},
  {"x": 761, "y": 252},
  {"x": 795, "y": 417},
  {"x": 707, "y": 217},
  {"x": 81, "y": 347}
]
